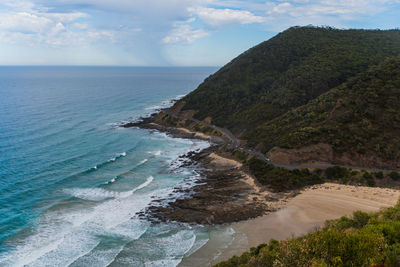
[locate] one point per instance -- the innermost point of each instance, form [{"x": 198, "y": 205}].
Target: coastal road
[
  {"x": 234, "y": 141},
  {"x": 235, "y": 145}
]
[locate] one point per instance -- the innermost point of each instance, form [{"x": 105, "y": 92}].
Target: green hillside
[
  {"x": 363, "y": 240},
  {"x": 274, "y": 94},
  {"x": 287, "y": 71},
  {"x": 362, "y": 115}
]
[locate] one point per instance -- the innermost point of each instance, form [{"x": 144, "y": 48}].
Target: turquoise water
[{"x": 71, "y": 180}]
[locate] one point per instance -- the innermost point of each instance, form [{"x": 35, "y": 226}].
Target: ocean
[{"x": 72, "y": 181}]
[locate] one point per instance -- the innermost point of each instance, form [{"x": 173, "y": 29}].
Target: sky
[{"x": 166, "y": 32}]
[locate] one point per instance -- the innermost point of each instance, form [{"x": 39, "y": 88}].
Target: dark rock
[{"x": 221, "y": 196}]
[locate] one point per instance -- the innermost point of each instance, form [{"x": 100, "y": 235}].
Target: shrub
[
  {"x": 360, "y": 219},
  {"x": 240, "y": 155},
  {"x": 369, "y": 179},
  {"x": 336, "y": 172},
  {"x": 379, "y": 175},
  {"x": 281, "y": 179},
  {"x": 394, "y": 175},
  {"x": 363, "y": 240}
]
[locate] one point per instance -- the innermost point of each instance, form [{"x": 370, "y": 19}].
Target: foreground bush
[{"x": 362, "y": 240}]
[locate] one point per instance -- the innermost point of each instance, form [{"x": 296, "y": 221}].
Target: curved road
[
  {"x": 234, "y": 141},
  {"x": 235, "y": 145}
]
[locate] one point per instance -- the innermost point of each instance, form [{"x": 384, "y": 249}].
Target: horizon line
[{"x": 115, "y": 66}]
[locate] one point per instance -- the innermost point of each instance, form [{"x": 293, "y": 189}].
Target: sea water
[{"x": 72, "y": 181}]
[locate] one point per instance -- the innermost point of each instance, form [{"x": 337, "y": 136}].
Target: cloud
[
  {"x": 147, "y": 28},
  {"x": 337, "y": 13},
  {"x": 24, "y": 22},
  {"x": 221, "y": 17},
  {"x": 35, "y": 21},
  {"x": 184, "y": 34},
  {"x": 31, "y": 25},
  {"x": 18, "y": 4},
  {"x": 298, "y": 8},
  {"x": 65, "y": 17}
]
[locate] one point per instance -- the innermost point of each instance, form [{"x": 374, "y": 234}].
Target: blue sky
[{"x": 166, "y": 32}]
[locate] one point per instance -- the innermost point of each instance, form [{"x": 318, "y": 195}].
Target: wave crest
[{"x": 98, "y": 194}]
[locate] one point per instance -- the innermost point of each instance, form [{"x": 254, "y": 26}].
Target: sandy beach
[
  {"x": 229, "y": 192},
  {"x": 302, "y": 214}
]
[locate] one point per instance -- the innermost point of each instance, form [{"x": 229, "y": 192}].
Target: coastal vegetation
[
  {"x": 362, "y": 116},
  {"x": 365, "y": 239},
  {"x": 307, "y": 86},
  {"x": 280, "y": 179}
]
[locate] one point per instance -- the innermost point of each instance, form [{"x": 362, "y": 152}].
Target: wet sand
[{"x": 302, "y": 214}]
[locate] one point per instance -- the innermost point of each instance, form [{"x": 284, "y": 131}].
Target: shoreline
[
  {"x": 301, "y": 215},
  {"x": 225, "y": 193},
  {"x": 267, "y": 215},
  {"x": 222, "y": 195}
]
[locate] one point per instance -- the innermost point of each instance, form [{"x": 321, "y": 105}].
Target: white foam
[
  {"x": 157, "y": 153},
  {"x": 148, "y": 181},
  {"x": 24, "y": 257},
  {"x": 73, "y": 246},
  {"x": 129, "y": 193},
  {"x": 163, "y": 263},
  {"x": 142, "y": 162},
  {"x": 123, "y": 154},
  {"x": 164, "y": 104},
  {"x": 105, "y": 256},
  {"x": 65, "y": 236},
  {"x": 95, "y": 257},
  {"x": 93, "y": 194},
  {"x": 97, "y": 194},
  {"x": 68, "y": 234},
  {"x": 173, "y": 252},
  {"x": 196, "y": 246}
]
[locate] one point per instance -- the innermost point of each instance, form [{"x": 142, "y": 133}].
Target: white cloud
[
  {"x": 81, "y": 26},
  {"x": 35, "y": 21},
  {"x": 337, "y": 13},
  {"x": 184, "y": 34},
  {"x": 281, "y": 8},
  {"x": 18, "y": 4},
  {"x": 23, "y": 22},
  {"x": 214, "y": 18},
  {"x": 339, "y": 8},
  {"x": 30, "y": 25},
  {"x": 65, "y": 17},
  {"x": 222, "y": 17},
  {"x": 147, "y": 27}
]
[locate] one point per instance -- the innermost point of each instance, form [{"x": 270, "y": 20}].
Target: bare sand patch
[
  {"x": 199, "y": 135},
  {"x": 224, "y": 162},
  {"x": 313, "y": 207},
  {"x": 303, "y": 213}
]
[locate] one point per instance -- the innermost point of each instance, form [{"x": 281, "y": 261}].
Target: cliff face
[{"x": 309, "y": 86}]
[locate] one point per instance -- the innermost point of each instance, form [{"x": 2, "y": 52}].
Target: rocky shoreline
[{"x": 221, "y": 195}]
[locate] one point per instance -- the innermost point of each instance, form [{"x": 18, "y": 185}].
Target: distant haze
[{"x": 165, "y": 33}]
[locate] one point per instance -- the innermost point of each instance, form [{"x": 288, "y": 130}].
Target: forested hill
[
  {"x": 287, "y": 72},
  {"x": 360, "y": 117}
]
